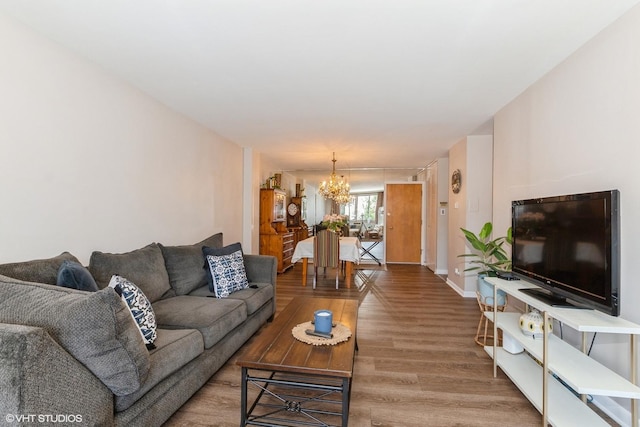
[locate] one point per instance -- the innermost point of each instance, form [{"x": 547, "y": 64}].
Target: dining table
[{"x": 350, "y": 248}]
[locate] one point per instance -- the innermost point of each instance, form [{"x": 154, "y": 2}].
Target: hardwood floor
[{"x": 417, "y": 364}]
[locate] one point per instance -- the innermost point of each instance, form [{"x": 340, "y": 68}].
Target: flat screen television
[{"x": 570, "y": 247}]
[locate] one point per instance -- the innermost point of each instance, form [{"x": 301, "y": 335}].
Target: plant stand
[{"x": 482, "y": 336}]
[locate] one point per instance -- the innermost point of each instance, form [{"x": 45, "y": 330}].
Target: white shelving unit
[{"x": 558, "y": 405}]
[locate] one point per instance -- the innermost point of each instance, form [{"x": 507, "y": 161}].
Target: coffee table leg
[
  {"x": 243, "y": 399},
  {"x": 346, "y": 396}
]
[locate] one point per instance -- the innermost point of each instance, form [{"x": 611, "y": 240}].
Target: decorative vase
[
  {"x": 532, "y": 324},
  {"x": 486, "y": 292}
]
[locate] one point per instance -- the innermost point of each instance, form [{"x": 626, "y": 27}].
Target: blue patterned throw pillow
[
  {"x": 215, "y": 251},
  {"x": 140, "y": 308},
  {"x": 228, "y": 273}
]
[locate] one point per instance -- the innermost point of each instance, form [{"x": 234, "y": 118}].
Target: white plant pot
[{"x": 486, "y": 292}]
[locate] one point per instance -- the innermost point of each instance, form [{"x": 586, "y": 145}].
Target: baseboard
[{"x": 462, "y": 293}]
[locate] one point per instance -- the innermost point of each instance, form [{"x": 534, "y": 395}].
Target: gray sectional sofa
[{"x": 79, "y": 355}]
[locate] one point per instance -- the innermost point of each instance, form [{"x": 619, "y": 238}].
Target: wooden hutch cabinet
[{"x": 275, "y": 238}]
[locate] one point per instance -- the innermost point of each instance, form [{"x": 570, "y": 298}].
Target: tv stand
[
  {"x": 554, "y": 300},
  {"x": 536, "y": 370}
]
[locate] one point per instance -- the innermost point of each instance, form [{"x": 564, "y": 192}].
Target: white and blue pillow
[
  {"x": 139, "y": 306},
  {"x": 227, "y": 273},
  {"x": 217, "y": 251}
]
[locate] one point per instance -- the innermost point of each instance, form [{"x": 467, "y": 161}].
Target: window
[{"x": 363, "y": 207}]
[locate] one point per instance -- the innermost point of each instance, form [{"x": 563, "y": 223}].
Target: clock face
[
  {"x": 456, "y": 181},
  {"x": 292, "y": 209}
]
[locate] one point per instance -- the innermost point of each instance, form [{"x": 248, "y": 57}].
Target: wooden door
[{"x": 403, "y": 223}]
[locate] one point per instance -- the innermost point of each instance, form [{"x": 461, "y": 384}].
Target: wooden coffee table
[{"x": 297, "y": 382}]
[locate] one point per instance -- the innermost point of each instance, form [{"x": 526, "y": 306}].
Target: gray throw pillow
[
  {"x": 39, "y": 270},
  {"x": 184, "y": 264},
  {"x": 74, "y": 275},
  {"x": 144, "y": 267},
  {"x": 226, "y": 250}
]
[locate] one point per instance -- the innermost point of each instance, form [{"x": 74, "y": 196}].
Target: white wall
[
  {"x": 576, "y": 130},
  {"x": 442, "y": 261},
  {"x": 436, "y": 178},
  {"x": 471, "y": 207},
  {"x": 252, "y": 179},
  {"x": 90, "y": 163},
  {"x": 457, "y": 216},
  {"x": 314, "y": 205}
]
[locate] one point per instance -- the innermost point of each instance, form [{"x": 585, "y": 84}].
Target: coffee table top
[{"x": 275, "y": 348}]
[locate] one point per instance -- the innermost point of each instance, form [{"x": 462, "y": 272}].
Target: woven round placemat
[{"x": 340, "y": 333}]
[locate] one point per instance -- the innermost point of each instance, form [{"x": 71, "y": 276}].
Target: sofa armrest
[
  {"x": 261, "y": 268},
  {"x": 38, "y": 377}
]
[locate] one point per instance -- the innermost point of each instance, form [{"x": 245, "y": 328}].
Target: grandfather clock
[
  {"x": 294, "y": 212},
  {"x": 294, "y": 219}
]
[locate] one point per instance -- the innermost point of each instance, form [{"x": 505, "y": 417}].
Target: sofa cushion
[
  {"x": 139, "y": 306},
  {"x": 74, "y": 275},
  {"x": 186, "y": 264},
  {"x": 213, "y": 317},
  {"x": 227, "y": 273},
  {"x": 254, "y": 298},
  {"x": 39, "y": 270},
  {"x": 144, "y": 267},
  {"x": 174, "y": 349},
  {"x": 94, "y": 327}
]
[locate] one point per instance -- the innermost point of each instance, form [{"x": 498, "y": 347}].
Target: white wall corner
[{"x": 248, "y": 200}]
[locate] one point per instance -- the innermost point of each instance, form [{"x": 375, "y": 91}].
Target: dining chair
[{"x": 326, "y": 253}]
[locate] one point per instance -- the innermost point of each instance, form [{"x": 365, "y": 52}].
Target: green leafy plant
[{"x": 489, "y": 255}]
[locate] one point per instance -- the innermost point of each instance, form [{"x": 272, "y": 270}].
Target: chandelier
[{"x": 336, "y": 190}]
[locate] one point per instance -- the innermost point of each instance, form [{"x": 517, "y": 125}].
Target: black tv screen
[{"x": 570, "y": 246}]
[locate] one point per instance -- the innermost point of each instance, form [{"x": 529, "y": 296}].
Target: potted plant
[
  {"x": 334, "y": 222},
  {"x": 489, "y": 258}
]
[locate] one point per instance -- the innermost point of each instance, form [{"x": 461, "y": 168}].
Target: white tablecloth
[{"x": 349, "y": 249}]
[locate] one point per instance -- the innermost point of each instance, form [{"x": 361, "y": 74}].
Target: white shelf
[
  {"x": 565, "y": 409},
  {"x": 582, "y": 373},
  {"x": 576, "y": 369},
  {"x": 582, "y": 320}
]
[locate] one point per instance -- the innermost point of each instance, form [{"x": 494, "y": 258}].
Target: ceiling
[{"x": 389, "y": 85}]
